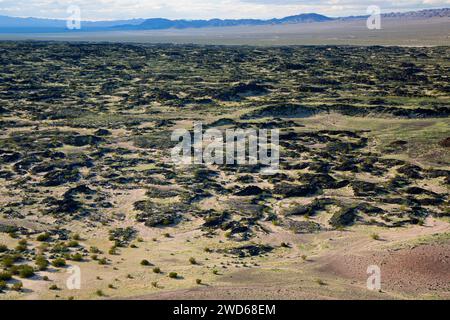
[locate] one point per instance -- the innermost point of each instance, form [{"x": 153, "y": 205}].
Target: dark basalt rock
[
  {"x": 302, "y": 227},
  {"x": 323, "y": 181},
  {"x": 215, "y": 219},
  {"x": 249, "y": 191},
  {"x": 80, "y": 141},
  {"x": 311, "y": 209},
  {"x": 60, "y": 177},
  {"x": 247, "y": 251},
  {"x": 25, "y": 164},
  {"x": 81, "y": 189},
  {"x": 241, "y": 91},
  {"x": 292, "y": 190},
  {"x": 102, "y": 132},
  {"x": 283, "y": 111},
  {"x": 363, "y": 188},
  {"x": 66, "y": 205},
  {"x": 9, "y": 157},
  {"x": 154, "y": 215},
  {"x": 411, "y": 171},
  {"x": 344, "y": 217}
]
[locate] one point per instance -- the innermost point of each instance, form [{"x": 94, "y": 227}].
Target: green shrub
[
  {"x": 43, "y": 237},
  {"x": 145, "y": 263},
  {"x": 76, "y": 257},
  {"x": 3, "y": 285},
  {"x": 17, "y": 286},
  {"x": 173, "y": 275},
  {"x": 94, "y": 250},
  {"x": 375, "y": 236},
  {"x": 8, "y": 261},
  {"x": 76, "y": 237},
  {"x": 102, "y": 261},
  {"x": 41, "y": 263},
  {"x": 59, "y": 263},
  {"x": 192, "y": 260},
  {"x": 5, "y": 276},
  {"x": 156, "y": 270},
  {"x": 99, "y": 293},
  {"x": 26, "y": 271},
  {"x": 3, "y": 248},
  {"x": 21, "y": 248},
  {"x": 53, "y": 287},
  {"x": 320, "y": 282},
  {"x": 73, "y": 244}
]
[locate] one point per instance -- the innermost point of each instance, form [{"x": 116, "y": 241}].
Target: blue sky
[{"x": 204, "y": 9}]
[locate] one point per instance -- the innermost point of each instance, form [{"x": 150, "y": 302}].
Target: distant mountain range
[{"x": 37, "y": 25}]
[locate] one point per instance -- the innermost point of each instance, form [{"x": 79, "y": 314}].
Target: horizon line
[{"x": 208, "y": 19}]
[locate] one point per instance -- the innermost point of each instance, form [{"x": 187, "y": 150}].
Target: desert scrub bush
[
  {"x": 76, "y": 257},
  {"x": 21, "y": 247},
  {"x": 166, "y": 235},
  {"x": 198, "y": 281},
  {"x": 145, "y": 262},
  {"x": 192, "y": 260},
  {"x": 122, "y": 236},
  {"x": 9, "y": 260},
  {"x": 320, "y": 282},
  {"x": 173, "y": 275},
  {"x": 375, "y": 236},
  {"x": 25, "y": 271},
  {"x": 3, "y": 285},
  {"x": 59, "y": 263},
  {"x": 94, "y": 250},
  {"x": 113, "y": 251},
  {"x": 156, "y": 270},
  {"x": 53, "y": 287},
  {"x": 99, "y": 293},
  {"x": 102, "y": 261},
  {"x": 76, "y": 237},
  {"x": 41, "y": 263},
  {"x": 5, "y": 276},
  {"x": 155, "y": 284},
  {"x": 18, "y": 286},
  {"x": 215, "y": 271},
  {"x": 304, "y": 257},
  {"x": 60, "y": 247},
  {"x": 3, "y": 248},
  {"x": 73, "y": 244},
  {"x": 43, "y": 237}
]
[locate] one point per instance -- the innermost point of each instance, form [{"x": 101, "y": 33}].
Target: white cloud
[{"x": 201, "y": 9}]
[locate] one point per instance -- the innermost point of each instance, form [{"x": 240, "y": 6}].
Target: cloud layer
[{"x": 204, "y": 9}]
